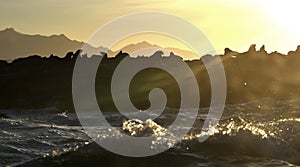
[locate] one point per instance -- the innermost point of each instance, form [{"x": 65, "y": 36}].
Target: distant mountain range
[{"x": 15, "y": 45}]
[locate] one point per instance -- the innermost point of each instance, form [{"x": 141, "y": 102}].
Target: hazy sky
[{"x": 227, "y": 23}]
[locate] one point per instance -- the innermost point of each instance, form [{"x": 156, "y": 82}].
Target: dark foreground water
[{"x": 258, "y": 133}]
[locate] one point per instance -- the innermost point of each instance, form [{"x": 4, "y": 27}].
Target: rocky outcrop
[{"x": 38, "y": 82}]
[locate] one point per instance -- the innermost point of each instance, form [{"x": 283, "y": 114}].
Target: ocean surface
[{"x": 264, "y": 132}]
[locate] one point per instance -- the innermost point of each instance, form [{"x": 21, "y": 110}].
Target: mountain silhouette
[
  {"x": 16, "y": 45},
  {"x": 131, "y": 48},
  {"x": 137, "y": 46}
]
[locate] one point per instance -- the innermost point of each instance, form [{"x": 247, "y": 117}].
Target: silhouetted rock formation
[
  {"x": 252, "y": 48},
  {"x": 262, "y": 50},
  {"x": 36, "y": 82},
  {"x": 227, "y": 51}
]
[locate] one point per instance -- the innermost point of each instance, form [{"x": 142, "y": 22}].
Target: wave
[{"x": 262, "y": 132}]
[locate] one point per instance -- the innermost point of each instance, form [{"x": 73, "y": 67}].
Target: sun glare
[
  {"x": 284, "y": 13},
  {"x": 282, "y": 17},
  {"x": 282, "y": 10}
]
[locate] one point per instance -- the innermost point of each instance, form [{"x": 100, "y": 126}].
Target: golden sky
[{"x": 227, "y": 23}]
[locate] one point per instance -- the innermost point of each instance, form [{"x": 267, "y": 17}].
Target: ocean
[{"x": 264, "y": 132}]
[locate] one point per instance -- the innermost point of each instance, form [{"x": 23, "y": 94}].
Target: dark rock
[
  {"x": 36, "y": 82},
  {"x": 3, "y": 116}
]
